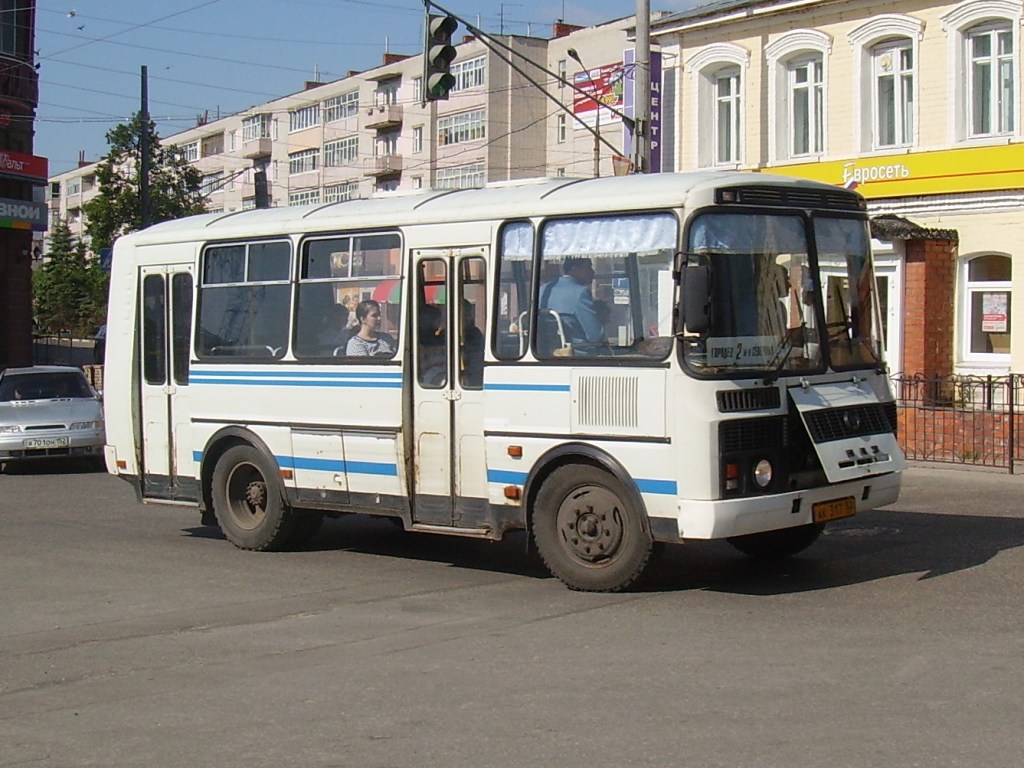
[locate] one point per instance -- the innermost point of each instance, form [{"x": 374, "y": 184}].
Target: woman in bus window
[{"x": 369, "y": 342}]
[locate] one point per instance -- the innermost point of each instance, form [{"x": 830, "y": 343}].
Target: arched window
[
  {"x": 985, "y": 309},
  {"x": 717, "y": 73},
  {"x": 886, "y": 48},
  {"x": 984, "y": 41},
  {"x": 797, "y": 91}
]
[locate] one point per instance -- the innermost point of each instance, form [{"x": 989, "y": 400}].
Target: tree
[
  {"x": 174, "y": 185},
  {"x": 70, "y": 290}
]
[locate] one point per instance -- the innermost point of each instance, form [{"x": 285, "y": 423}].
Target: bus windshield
[{"x": 763, "y": 295}]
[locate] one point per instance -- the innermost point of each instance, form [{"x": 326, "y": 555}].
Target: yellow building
[{"x": 916, "y": 103}]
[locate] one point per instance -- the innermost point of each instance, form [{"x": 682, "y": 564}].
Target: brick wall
[{"x": 928, "y": 306}]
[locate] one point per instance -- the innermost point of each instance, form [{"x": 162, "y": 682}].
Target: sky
[{"x": 219, "y": 57}]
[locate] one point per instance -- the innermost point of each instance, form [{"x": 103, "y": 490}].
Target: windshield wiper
[{"x": 785, "y": 349}]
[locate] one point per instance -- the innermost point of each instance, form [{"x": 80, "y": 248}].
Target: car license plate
[
  {"x": 824, "y": 511},
  {"x": 46, "y": 442}
]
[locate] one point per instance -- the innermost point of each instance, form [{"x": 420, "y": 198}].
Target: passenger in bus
[
  {"x": 432, "y": 353},
  {"x": 334, "y": 331},
  {"x": 570, "y": 297},
  {"x": 368, "y": 342},
  {"x": 472, "y": 347}
]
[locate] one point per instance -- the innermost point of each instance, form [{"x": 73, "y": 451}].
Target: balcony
[
  {"x": 385, "y": 165},
  {"x": 254, "y": 150},
  {"x": 383, "y": 116}
]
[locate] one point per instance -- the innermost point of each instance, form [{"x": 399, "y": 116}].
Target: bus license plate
[
  {"x": 836, "y": 509},
  {"x": 46, "y": 442}
]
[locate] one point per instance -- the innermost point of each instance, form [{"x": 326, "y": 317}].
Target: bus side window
[{"x": 514, "y": 289}]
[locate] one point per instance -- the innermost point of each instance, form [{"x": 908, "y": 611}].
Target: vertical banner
[{"x": 629, "y": 60}]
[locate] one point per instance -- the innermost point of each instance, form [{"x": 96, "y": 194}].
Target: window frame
[
  {"x": 794, "y": 48},
  {"x": 968, "y": 289}
]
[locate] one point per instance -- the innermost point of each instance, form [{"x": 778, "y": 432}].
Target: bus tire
[
  {"x": 248, "y": 503},
  {"x": 778, "y": 544},
  {"x": 588, "y": 533}
]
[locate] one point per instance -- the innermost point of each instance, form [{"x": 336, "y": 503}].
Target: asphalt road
[{"x": 130, "y": 636}]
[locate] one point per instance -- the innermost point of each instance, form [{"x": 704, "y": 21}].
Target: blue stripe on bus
[
  {"x": 329, "y": 465},
  {"x": 508, "y": 477},
  {"x": 528, "y": 387}
]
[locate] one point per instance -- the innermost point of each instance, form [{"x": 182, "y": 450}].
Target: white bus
[{"x": 735, "y": 387}]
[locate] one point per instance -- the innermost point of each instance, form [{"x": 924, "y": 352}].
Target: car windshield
[{"x": 44, "y": 386}]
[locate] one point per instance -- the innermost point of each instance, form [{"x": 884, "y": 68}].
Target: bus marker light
[
  {"x": 512, "y": 492},
  {"x": 286, "y": 474},
  {"x": 122, "y": 464},
  {"x": 515, "y": 451}
]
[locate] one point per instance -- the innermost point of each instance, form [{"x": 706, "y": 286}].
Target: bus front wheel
[
  {"x": 588, "y": 533},
  {"x": 248, "y": 503}
]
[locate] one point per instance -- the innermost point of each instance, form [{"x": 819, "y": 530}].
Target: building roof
[
  {"x": 724, "y": 7},
  {"x": 888, "y": 226}
]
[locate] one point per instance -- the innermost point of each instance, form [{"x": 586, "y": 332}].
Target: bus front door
[
  {"x": 165, "y": 323},
  {"x": 448, "y": 463}
]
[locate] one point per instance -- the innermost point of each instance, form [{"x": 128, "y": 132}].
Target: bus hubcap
[{"x": 590, "y": 524}]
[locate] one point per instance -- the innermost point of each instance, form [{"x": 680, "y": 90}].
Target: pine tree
[
  {"x": 70, "y": 290},
  {"x": 117, "y": 209}
]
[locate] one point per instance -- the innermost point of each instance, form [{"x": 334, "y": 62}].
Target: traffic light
[{"x": 438, "y": 54}]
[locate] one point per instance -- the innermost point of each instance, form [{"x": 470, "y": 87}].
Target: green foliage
[
  {"x": 70, "y": 290},
  {"x": 174, "y": 185}
]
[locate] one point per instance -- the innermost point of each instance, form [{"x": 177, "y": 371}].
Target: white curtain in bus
[
  {"x": 517, "y": 241},
  {"x": 609, "y": 234}
]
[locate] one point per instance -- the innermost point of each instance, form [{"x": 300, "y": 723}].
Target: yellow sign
[{"x": 973, "y": 169}]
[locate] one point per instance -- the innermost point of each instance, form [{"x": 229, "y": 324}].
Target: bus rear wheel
[
  {"x": 588, "y": 533},
  {"x": 778, "y": 544},
  {"x": 248, "y": 503}
]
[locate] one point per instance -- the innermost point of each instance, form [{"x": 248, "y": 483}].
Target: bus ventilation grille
[
  {"x": 855, "y": 421},
  {"x": 740, "y": 400},
  {"x": 608, "y": 401},
  {"x": 799, "y": 198}
]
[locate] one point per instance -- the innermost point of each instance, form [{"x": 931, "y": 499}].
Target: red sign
[{"x": 24, "y": 166}]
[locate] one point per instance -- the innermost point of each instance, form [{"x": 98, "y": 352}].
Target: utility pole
[
  {"x": 642, "y": 89},
  {"x": 147, "y": 214}
]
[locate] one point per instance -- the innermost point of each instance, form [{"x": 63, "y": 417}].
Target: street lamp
[{"x": 574, "y": 55}]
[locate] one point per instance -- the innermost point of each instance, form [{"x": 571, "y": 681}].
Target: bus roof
[{"x": 504, "y": 200}]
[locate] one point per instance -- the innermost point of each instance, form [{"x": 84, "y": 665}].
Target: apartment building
[
  {"x": 369, "y": 132},
  {"x": 914, "y": 102}
]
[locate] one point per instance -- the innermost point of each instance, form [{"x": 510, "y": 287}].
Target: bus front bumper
[{"x": 737, "y": 517}]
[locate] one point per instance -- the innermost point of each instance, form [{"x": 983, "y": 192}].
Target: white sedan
[{"x": 49, "y": 411}]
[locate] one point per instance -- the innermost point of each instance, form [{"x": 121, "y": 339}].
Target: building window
[
  {"x": 797, "y": 107},
  {"x": 563, "y": 71},
  {"x": 727, "y": 116},
  {"x": 190, "y": 151},
  {"x": 336, "y": 193},
  {"x": 717, "y": 74},
  {"x": 893, "y": 70},
  {"x": 985, "y": 309},
  {"x": 417, "y": 139},
  {"x": 74, "y": 186},
  {"x": 387, "y": 92},
  {"x": 461, "y": 176},
  {"x": 304, "y": 118},
  {"x": 417, "y": 88},
  {"x": 213, "y": 145},
  {"x": 339, "y": 107},
  {"x": 304, "y": 161},
  {"x": 456, "y": 129},
  {"x": 343, "y": 152},
  {"x": 807, "y": 107},
  {"x": 255, "y": 128},
  {"x": 561, "y": 128},
  {"x": 990, "y": 87},
  {"x": 468, "y": 74},
  {"x": 304, "y": 197},
  {"x": 212, "y": 182}
]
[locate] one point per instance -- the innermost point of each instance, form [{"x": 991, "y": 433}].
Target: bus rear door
[
  {"x": 450, "y": 318},
  {"x": 165, "y": 332}
]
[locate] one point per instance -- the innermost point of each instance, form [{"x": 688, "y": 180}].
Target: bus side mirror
[{"x": 696, "y": 304}]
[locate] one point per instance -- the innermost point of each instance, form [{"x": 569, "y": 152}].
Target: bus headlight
[{"x": 763, "y": 473}]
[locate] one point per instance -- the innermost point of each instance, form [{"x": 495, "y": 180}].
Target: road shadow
[
  {"x": 61, "y": 465},
  {"x": 874, "y": 545}
]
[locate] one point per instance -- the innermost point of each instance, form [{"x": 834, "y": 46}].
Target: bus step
[{"x": 450, "y": 530}]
